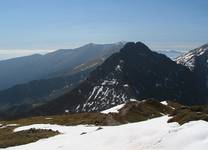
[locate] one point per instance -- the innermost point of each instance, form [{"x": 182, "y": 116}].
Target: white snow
[
  {"x": 134, "y": 100},
  {"x": 113, "y": 109},
  {"x": 118, "y": 68},
  {"x": 154, "y": 134},
  {"x": 8, "y": 125},
  {"x": 164, "y": 103},
  {"x": 126, "y": 85},
  {"x": 118, "y": 107},
  {"x": 109, "y": 82},
  {"x": 94, "y": 89},
  {"x": 66, "y": 111},
  {"x": 98, "y": 92}
]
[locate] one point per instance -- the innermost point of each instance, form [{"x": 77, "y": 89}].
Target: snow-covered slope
[
  {"x": 189, "y": 58},
  {"x": 114, "y": 109},
  {"x": 154, "y": 134}
]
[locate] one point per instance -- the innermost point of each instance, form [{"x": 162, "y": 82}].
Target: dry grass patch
[
  {"x": 185, "y": 114},
  {"x": 9, "y": 138},
  {"x": 66, "y": 119}
]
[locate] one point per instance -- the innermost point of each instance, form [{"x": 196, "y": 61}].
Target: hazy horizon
[{"x": 9, "y": 53}]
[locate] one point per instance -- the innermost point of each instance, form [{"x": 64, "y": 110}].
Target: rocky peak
[
  {"x": 189, "y": 58},
  {"x": 135, "y": 48}
]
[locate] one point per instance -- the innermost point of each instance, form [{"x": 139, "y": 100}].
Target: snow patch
[
  {"x": 113, "y": 109},
  {"x": 66, "y": 111},
  {"x": 116, "y": 109},
  {"x": 118, "y": 68},
  {"x": 9, "y": 125},
  {"x": 134, "y": 100},
  {"x": 126, "y": 85},
  {"x": 164, "y": 103},
  {"x": 109, "y": 82}
]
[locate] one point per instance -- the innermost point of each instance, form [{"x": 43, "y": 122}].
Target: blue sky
[{"x": 53, "y": 24}]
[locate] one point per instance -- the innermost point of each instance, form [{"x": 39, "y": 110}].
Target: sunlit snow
[{"x": 154, "y": 134}]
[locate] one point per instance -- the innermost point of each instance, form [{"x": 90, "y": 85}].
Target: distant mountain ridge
[
  {"x": 39, "y": 91},
  {"x": 62, "y": 62}
]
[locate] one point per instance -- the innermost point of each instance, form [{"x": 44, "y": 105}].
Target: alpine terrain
[{"x": 134, "y": 72}]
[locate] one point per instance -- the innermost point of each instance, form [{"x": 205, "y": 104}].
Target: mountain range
[
  {"x": 61, "y": 62},
  {"x": 133, "y": 72}
]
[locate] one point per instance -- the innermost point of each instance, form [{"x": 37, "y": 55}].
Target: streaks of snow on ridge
[
  {"x": 153, "y": 134},
  {"x": 103, "y": 96},
  {"x": 94, "y": 89}
]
